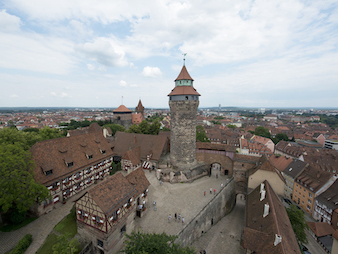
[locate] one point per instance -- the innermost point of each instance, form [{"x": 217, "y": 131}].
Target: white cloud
[
  {"x": 14, "y": 96},
  {"x": 105, "y": 51},
  {"x": 54, "y": 94},
  {"x": 151, "y": 72},
  {"x": 9, "y": 23},
  {"x": 91, "y": 67},
  {"x": 123, "y": 83}
]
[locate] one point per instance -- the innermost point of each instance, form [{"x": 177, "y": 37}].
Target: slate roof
[
  {"x": 183, "y": 74},
  {"x": 126, "y": 141},
  {"x": 330, "y": 196},
  {"x": 321, "y": 228},
  {"x": 259, "y": 232},
  {"x": 295, "y": 168},
  {"x": 112, "y": 193},
  {"x": 184, "y": 90},
  {"x": 139, "y": 180},
  {"x": 54, "y": 153}
]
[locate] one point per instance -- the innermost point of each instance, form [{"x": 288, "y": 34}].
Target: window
[
  {"x": 310, "y": 195},
  {"x": 308, "y": 207},
  {"x": 99, "y": 243},
  {"x": 186, "y": 97},
  {"x": 103, "y": 151},
  {"x": 123, "y": 229},
  {"x": 70, "y": 164},
  {"x": 309, "y": 201},
  {"x": 49, "y": 172}
]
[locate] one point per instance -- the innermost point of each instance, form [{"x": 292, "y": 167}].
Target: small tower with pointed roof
[
  {"x": 140, "y": 109},
  {"x": 183, "y": 103}
]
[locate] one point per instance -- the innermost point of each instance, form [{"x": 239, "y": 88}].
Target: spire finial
[{"x": 184, "y": 54}]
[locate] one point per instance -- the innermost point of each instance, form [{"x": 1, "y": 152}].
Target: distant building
[{"x": 331, "y": 144}]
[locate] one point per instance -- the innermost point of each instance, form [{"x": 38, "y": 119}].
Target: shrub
[
  {"x": 23, "y": 244},
  {"x": 16, "y": 217}
]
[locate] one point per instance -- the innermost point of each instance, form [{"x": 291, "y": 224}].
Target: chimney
[
  {"x": 262, "y": 195},
  {"x": 266, "y": 210},
  {"x": 278, "y": 239},
  {"x": 262, "y": 187}
]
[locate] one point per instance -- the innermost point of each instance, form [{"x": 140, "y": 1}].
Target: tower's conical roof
[
  {"x": 122, "y": 108},
  {"x": 184, "y": 74}
]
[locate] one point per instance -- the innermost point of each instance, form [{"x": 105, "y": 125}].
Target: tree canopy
[
  {"x": 279, "y": 137},
  {"x": 115, "y": 127},
  {"x": 298, "y": 223},
  {"x": 201, "y": 134},
  {"x": 263, "y": 132},
  {"x": 18, "y": 189},
  {"x": 145, "y": 128},
  {"x": 145, "y": 243}
]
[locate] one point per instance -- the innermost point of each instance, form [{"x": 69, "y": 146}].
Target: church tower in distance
[{"x": 183, "y": 103}]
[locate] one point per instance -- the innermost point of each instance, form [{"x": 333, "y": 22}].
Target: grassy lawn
[
  {"x": 8, "y": 228},
  {"x": 67, "y": 225},
  {"x": 46, "y": 248}
]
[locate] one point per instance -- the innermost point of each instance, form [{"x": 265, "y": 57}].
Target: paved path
[
  {"x": 39, "y": 229},
  {"x": 187, "y": 199},
  {"x": 225, "y": 236}
]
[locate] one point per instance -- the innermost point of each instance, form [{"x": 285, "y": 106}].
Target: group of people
[{"x": 178, "y": 218}]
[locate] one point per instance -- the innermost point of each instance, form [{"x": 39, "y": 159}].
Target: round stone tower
[{"x": 183, "y": 103}]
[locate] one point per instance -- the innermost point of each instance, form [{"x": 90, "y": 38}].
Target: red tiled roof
[
  {"x": 122, "y": 108},
  {"x": 139, "y": 180},
  {"x": 184, "y": 90},
  {"x": 183, "y": 74},
  {"x": 321, "y": 228}
]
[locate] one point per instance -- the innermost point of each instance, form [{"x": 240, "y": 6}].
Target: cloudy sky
[{"x": 90, "y": 53}]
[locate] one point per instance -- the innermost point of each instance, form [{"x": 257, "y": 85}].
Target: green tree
[
  {"x": 201, "y": 134},
  {"x": 144, "y": 127},
  {"x": 115, "y": 127},
  {"x": 145, "y": 243},
  {"x": 263, "y": 132},
  {"x": 279, "y": 137},
  {"x": 231, "y": 126},
  {"x": 18, "y": 189},
  {"x": 298, "y": 223},
  {"x": 49, "y": 133},
  {"x": 63, "y": 246},
  {"x": 134, "y": 129},
  {"x": 154, "y": 128}
]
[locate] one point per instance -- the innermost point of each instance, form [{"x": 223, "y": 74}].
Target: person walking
[
  {"x": 204, "y": 193},
  {"x": 210, "y": 190},
  {"x": 179, "y": 217},
  {"x": 169, "y": 218},
  {"x": 175, "y": 216},
  {"x": 214, "y": 191},
  {"x": 182, "y": 220}
]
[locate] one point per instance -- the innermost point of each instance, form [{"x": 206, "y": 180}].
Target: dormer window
[
  {"x": 49, "y": 172},
  {"x": 89, "y": 156},
  {"x": 70, "y": 164},
  {"x": 103, "y": 151}
]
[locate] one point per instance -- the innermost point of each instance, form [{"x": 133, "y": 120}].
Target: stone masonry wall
[
  {"x": 214, "y": 211},
  {"x": 210, "y": 158},
  {"x": 183, "y": 132}
]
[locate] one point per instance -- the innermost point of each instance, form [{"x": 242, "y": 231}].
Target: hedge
[{"x": 23, "y": 244}]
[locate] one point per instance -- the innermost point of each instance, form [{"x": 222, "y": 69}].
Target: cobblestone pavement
[
  {"x": 225, "y": 236},
  {"x": 188, "y": 199}
]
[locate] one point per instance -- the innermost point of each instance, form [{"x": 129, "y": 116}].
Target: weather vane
[{"x": 184, "y": 54}]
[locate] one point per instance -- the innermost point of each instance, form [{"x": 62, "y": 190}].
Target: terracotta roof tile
[
  {"x": 110, "y": 194},
  {"x": 259, "y": 233},
  {"x": 122, "y": 108},
  {"x": 139, "y": 180},
  {"x": 321, "y": 228},
  {"x": 184, "y": 90},
  {"x": 183, "y": 74}
]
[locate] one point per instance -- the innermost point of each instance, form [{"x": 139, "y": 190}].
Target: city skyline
[{"x": 242, "y": 54}]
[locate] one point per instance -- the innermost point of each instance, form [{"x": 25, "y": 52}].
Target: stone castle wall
[
  {"x": 183, "y": 132},
  {"x": 123, "y": 119},
  {"x": 214, "y": 211},
  {"x": 210, "y": 158}
]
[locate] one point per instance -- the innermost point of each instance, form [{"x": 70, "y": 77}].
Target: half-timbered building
[
  {"x": 107, "y": 211},
  {"x": 68, "y": 165}
]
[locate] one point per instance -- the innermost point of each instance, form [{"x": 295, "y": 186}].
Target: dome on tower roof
[{"x": 122, "y": 108}]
